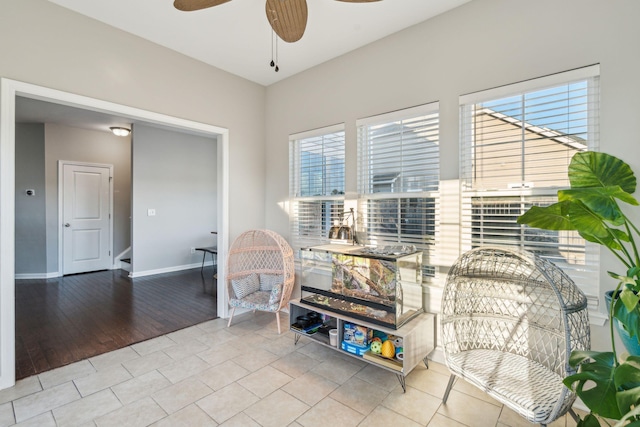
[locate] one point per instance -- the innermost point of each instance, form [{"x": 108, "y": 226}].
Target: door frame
[
  {"x": 9, "y": 89},
  {"x": 61, "y": 165}
]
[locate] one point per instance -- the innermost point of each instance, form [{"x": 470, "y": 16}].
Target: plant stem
[
  {"x": 628, "y": 223},
  {"x": 615, "y": 252},
  {"x": 623, "y": 247},
  {"x": 611, "y": 320}
]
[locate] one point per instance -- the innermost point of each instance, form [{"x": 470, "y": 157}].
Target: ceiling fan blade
[
  {"x": 357, "y": 1},
  {"x": 288, "y": 18},
  {"x": 191, "y": 5}
]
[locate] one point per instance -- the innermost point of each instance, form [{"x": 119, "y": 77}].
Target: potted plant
[{"x": 607, "y": 384}]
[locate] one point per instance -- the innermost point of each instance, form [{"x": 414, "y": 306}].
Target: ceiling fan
[{"x": 288, "y": 18}]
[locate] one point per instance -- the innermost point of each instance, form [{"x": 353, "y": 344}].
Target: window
[
  {"x": 316, "y": 184},
  {"x": 516, "y": 145},
  {"x": 398, "y": 178}
]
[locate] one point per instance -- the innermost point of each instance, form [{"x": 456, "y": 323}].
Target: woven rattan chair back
[
  {"x": 261, "y": 252},
  {"x": 510, "y": 320}
]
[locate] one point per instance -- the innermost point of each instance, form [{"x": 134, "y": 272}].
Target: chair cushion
[
  {"x": 523, "y": 385},
  {"x": 246, "y": 285},
  {"x": 275, "y": 294},
  {"x": 258, "y": 300},
  {"x": 268, "y": 281}
]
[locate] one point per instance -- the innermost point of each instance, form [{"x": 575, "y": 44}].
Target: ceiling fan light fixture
[
  {"x": 287, "y": 18},
  {"x": 120, "y": 131}
]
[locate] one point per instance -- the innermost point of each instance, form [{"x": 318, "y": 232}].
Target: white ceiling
[
  {"x": 236, "y": 36},
  {"x": 36, "y": 111},
  {"x": 29, "y": 110}
]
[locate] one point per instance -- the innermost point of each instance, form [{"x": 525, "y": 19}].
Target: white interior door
[{"x": 86, "y": 232}]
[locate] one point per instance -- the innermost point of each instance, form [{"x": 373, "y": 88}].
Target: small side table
[{"x": 213, "y": 250}]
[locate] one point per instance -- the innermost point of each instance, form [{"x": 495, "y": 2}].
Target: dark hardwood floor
[{"x": 71, "y": 318}]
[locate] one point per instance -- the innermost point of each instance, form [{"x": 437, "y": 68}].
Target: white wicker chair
[
  {"x": 509, "y": 323},
  {"x": 260, "y": 273}
]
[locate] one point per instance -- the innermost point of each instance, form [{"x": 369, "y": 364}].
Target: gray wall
[
  {"x": 174, "y": 174},
  {"x": 480, "y": 45},
  {"x": 50, "y": 46},
  {"x": 89, "y": 146},
  {"x": 30, "y": 210}
]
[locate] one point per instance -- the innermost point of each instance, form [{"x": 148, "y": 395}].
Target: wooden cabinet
[{"x": 417, "y": 337}]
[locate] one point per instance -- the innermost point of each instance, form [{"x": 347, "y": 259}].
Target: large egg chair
[
  {"x": 510, "y": 321},
  {"x": 260, "y": 273}
]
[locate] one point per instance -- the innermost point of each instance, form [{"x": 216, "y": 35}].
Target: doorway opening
[{"x": 9, "y": 90}]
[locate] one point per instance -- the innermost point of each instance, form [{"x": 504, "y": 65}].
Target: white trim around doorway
[{"x": 9, "y": 90}]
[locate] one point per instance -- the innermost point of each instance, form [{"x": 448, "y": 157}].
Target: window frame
[
  {"x": 425, "y": 201},
  {"x": 582, "y": 273},
  {"x": 298, "y": 217}
]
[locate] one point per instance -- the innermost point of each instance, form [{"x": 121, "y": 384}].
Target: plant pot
[{"x": 630, "y": 343}]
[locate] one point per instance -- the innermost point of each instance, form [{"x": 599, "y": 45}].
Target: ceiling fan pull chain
[
  {"x": 277, "y": 68},
  {"x": 272, "y": 35}
]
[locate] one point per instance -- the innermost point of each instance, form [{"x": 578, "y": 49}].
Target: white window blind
[
  {"x": 398, "y": 178},
  {"x": 516, "y": 145},
  {"x": 316, "y": 184}
]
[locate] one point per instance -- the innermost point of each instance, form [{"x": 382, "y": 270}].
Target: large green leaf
[
  {"x": 627, "y": 399},
  {"x": 595, "y": 368},
  {"x": 573, "y": 215},
  {"x": 607, "y": 241},
  {"x": 627, "y": 375},
  {"x": 552, "y": 217},
  {"x": 592, "y": 227},
  {"x": 630, "y": 419},
  {"x": 629, "y": 318},
  {"x": 594, "y": 169},
  {"x": 601, "y": 200},
  {"x": 585, "y": 220},
  {"x": 598, "y": 193},
  {"x": 627, "y": 379},
  {"x": 589, "y": 420},
  {"x": 629, "y": 298},
  {"x": 619, "y": 234}
]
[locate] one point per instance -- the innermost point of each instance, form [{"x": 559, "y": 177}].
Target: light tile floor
[{"x": 246, "y": 375}]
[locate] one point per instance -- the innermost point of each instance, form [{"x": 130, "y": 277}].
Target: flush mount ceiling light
[
  {"x": 288, "y": 18},
  {"x": 120, "y": 131}
]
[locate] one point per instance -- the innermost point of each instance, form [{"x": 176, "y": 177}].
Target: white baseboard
[
  {"x": 437, "y": 355},
  {"x": 27, "y": 276},
  {"x": 37, "y": 276},
  {"x": 168, "y": 269}
]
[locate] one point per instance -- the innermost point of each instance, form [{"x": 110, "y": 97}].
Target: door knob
[{"x": 67, "y": 225}]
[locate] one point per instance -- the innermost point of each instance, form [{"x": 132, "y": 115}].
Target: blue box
[
  {"x": 356, "y": 349},
  {"x": 357, "y": 335}
]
